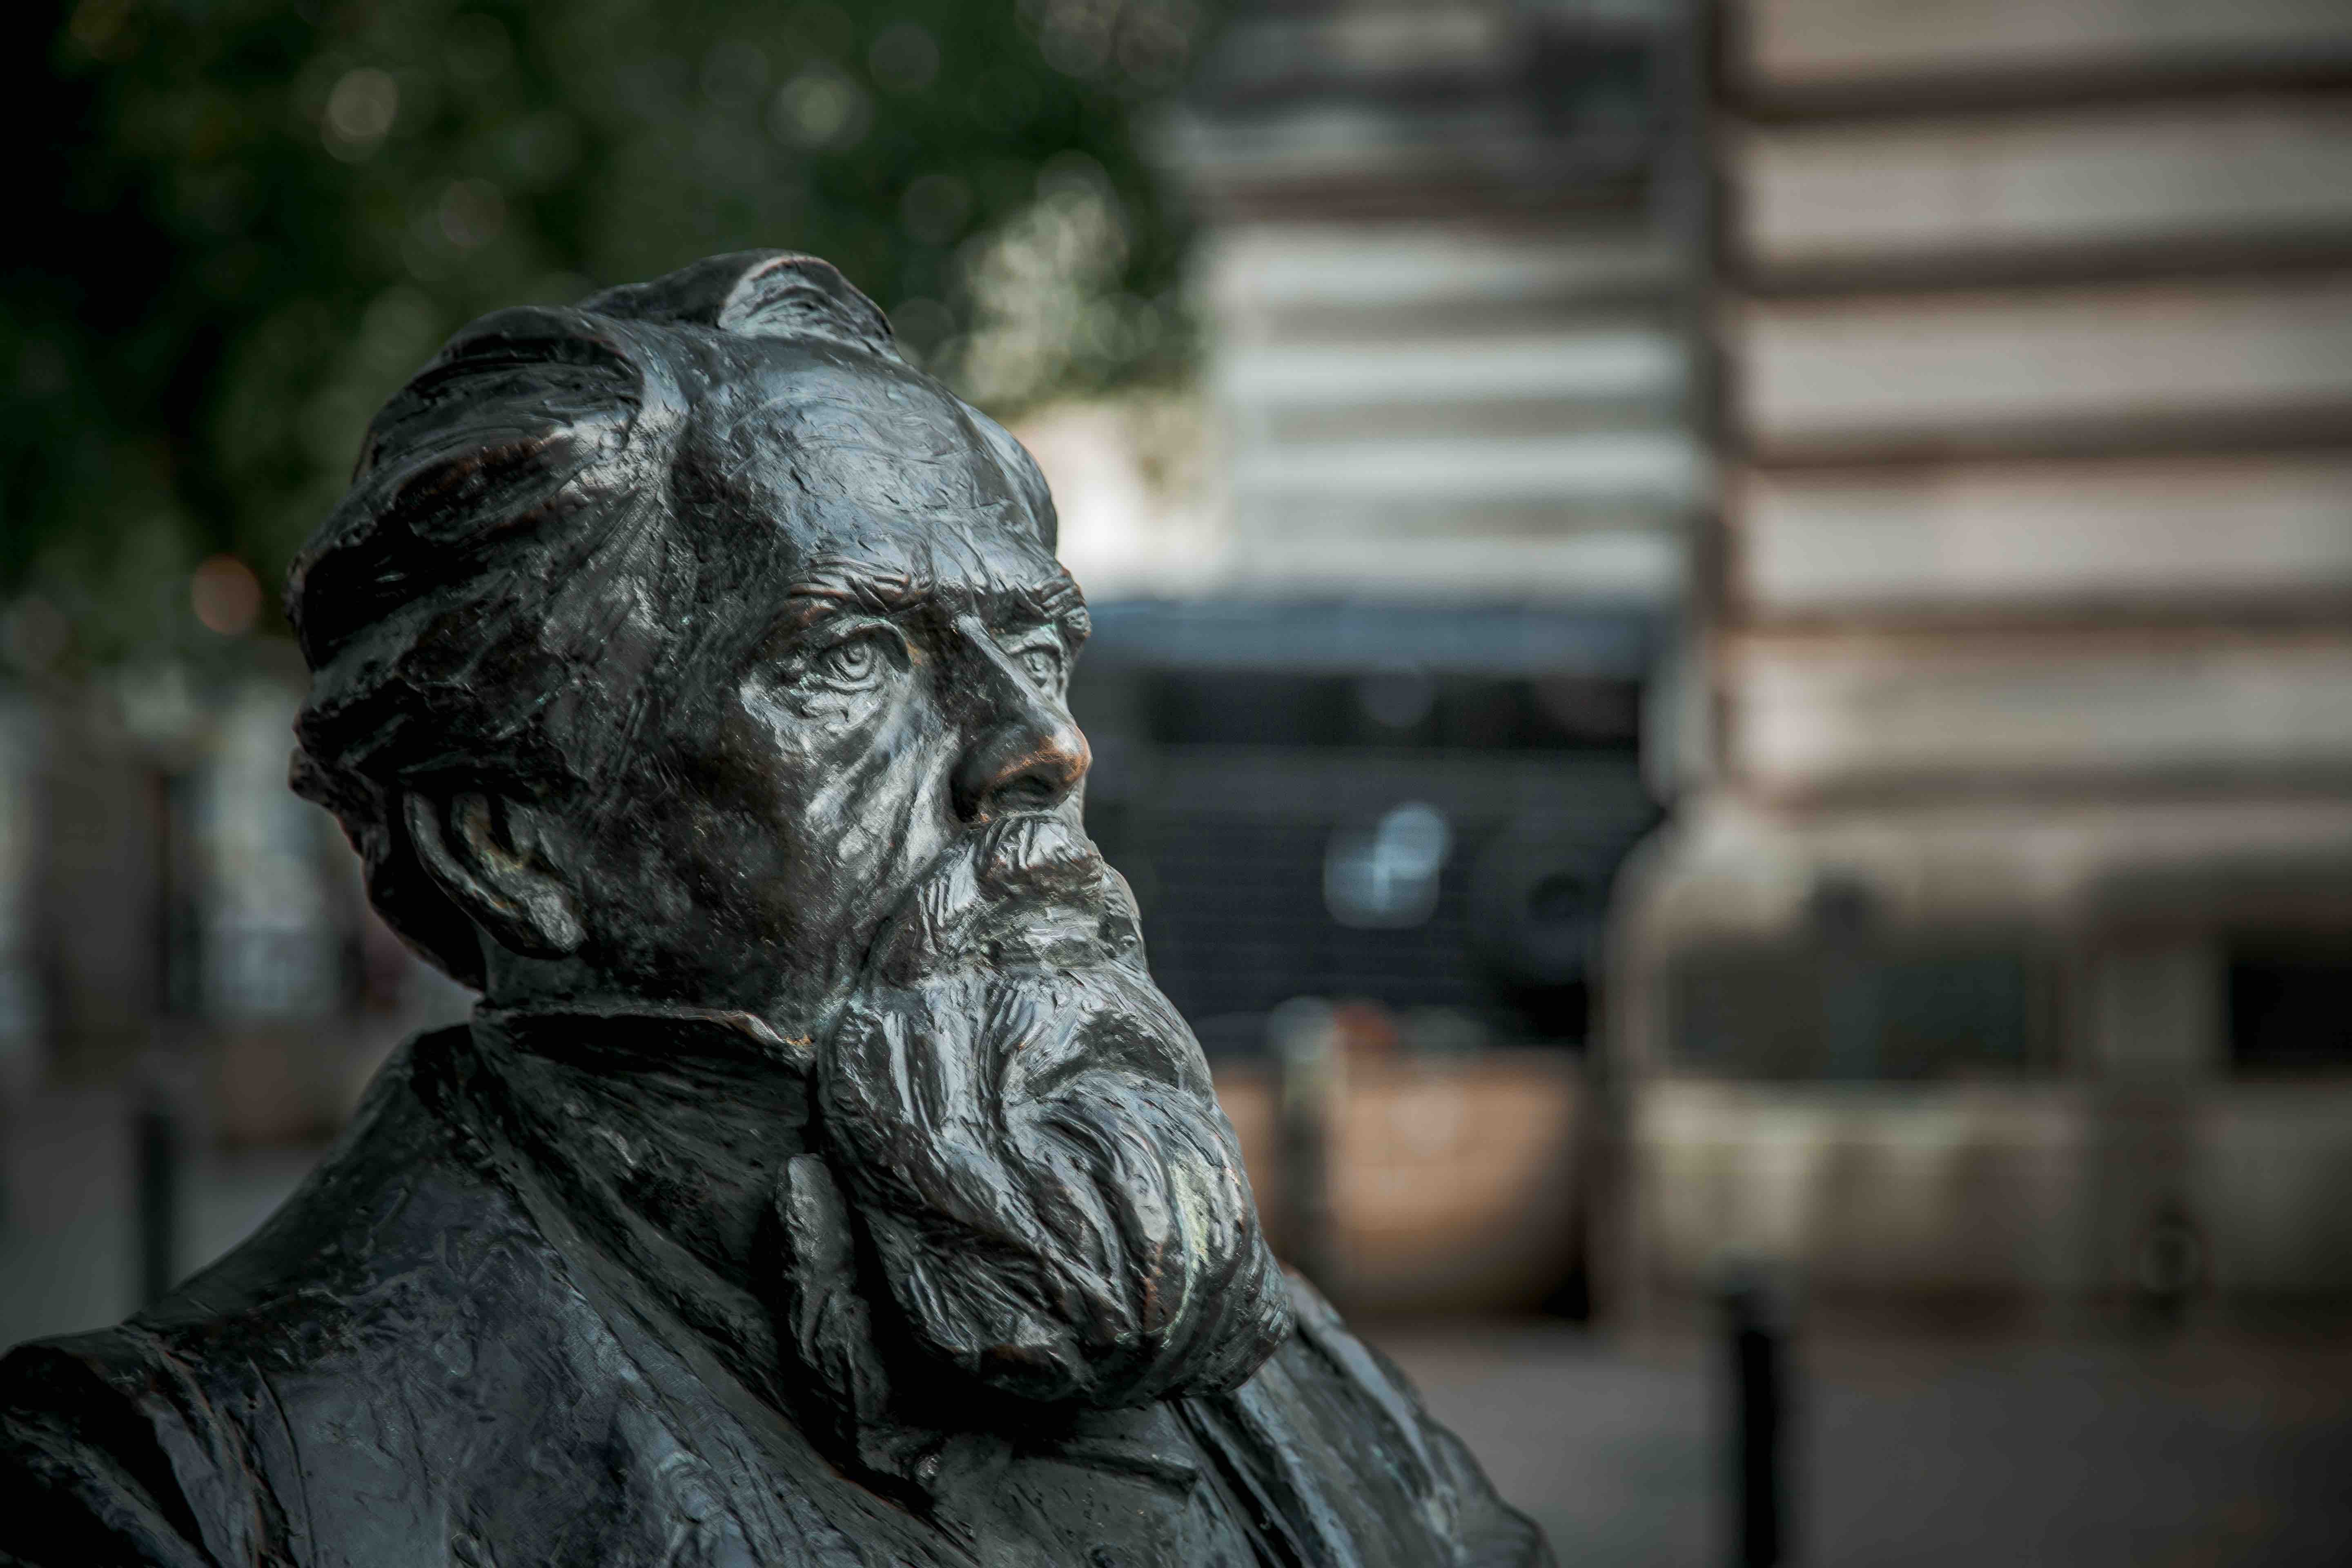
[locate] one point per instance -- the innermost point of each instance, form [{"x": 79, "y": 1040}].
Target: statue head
[{"x": 688, "y": 647}]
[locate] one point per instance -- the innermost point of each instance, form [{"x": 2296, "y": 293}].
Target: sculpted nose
[{"x": 1026, "y": 754}]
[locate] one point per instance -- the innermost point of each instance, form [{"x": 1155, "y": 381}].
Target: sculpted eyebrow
[
  {"x": 1055, "y": 602},
  {"x": 880, "y": 595},
  {"x": 808, "y": 605}
]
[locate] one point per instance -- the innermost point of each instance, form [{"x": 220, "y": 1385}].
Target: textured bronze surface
[{"x": 822, "y": 1179}]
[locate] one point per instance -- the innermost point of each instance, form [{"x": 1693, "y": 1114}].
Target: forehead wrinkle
[
  {"x": 850, "y": 583},
  {"x": 995, "y": 588},
  {"x": 848, "y": 580},
  {"x": 938, "y": 511}
]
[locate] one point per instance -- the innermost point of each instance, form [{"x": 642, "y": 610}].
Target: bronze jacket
[{"x": 429, "y": 1357}]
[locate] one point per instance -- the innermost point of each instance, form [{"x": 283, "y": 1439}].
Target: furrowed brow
[
  {"x": 1055, "y": 602},
  {"x": 807, "y": 607},
  {"x": 829, "y": 591}
]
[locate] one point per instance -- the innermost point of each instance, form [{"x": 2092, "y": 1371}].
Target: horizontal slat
[
  {"x": 1255, "y": 269},
  {"x": 1343, "y": 526},
  {"x": 2034, "y": 536},
  {"x": 1662, "y": 469},
  {"x": 1815, "y": 43},
  {"x": 2024, "y": 364},
  {"x": 2209, "y": 172},
  {"x": 1633, "y": 567},
  {"x": 1537, "y": 418},
  {"x": 1626, "y": 364},
  {"x": 2257, "y": 859},
  {"x": 1811, "y": 715}
]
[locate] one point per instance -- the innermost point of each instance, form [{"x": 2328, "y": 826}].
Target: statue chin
[{"x": 1035, "y": 1148}]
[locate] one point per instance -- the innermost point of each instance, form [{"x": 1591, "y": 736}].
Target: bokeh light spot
[
  {"x": 820, "y": 108},
  {"x": 360, "y": 112},
  {"x": 226, "y": 596}
]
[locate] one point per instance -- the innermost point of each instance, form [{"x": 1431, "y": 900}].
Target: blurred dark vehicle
[
  {"x": 1414, "y": 807},
  {"x": 1417, "y": 814}
]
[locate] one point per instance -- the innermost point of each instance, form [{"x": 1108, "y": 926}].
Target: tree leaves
[{"x": 262, "y": 217}]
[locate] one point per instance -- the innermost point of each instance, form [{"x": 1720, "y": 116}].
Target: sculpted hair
[{"x": 494, "y": 598}]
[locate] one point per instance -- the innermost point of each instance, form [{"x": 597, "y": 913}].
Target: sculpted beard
[{"x": 1026, "y": 1127}]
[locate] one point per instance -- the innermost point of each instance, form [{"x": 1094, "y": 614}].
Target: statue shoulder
[
  {"x": 187, "y": 1434},
  {"x": 110, "y": 1453},
  {"x": 397, "y": 1217},
  {"x": 1333, "y": 1433}
]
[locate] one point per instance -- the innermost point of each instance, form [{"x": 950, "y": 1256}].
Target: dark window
[
  {"x": 1836, "y": 1011},
  {"x": 1409, "y": 711},
  {"x": 1266, "y": 776},
  {"x": 1267, "y": 874},
  {"x": 2290, "y": 1010},
  {"x": 1237, "y": 708}
]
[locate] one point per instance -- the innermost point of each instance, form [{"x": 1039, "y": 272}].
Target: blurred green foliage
[{"x": 244, "y": 222}]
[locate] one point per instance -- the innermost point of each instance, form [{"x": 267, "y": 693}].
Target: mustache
[{"x": 1023, "y": 892}]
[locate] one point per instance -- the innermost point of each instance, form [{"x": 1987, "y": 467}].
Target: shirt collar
[
  {"x": 647, "y": 1122},
  {"x": 624, "y": 1035}
]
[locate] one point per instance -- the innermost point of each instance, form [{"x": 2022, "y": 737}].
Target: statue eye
[
  {"x": 853, "y": 661},
  {"x": 1043, "y": 665}
]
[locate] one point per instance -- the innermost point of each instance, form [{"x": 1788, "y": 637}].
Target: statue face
[
  {"x": 724, "y": 664},
  {"x": 869, "y": 831},
  {"x": 898, "y": 680}
]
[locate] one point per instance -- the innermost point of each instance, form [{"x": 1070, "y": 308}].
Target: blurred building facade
[
  {"x": 1445, "y": 268},
  {"x": 2003, "y": 947},
  {"x": 1387, "y": 744},
  {"x": 1911, "y": 446},
  {"x": 1449, "y": 267},
  {"x": 172, "y": 916}
]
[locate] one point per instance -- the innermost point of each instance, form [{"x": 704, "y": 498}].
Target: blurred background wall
[
  {"x": 2003, "y": 948},
  {"x": 1889, "y": 467},
  {"x": 1721, "y": 641}
]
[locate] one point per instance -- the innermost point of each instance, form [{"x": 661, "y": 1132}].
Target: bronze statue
[{"x": 822, "y": 1179}]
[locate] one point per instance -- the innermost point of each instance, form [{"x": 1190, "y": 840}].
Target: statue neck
[{"x": 666, "y": 1130}]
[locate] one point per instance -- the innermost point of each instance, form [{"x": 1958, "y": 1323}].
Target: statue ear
[{"x": 489, "y": 856}]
